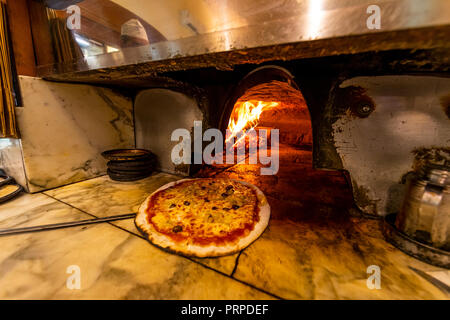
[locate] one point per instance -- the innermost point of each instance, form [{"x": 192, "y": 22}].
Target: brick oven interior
[{"x": 298, "y": 191}]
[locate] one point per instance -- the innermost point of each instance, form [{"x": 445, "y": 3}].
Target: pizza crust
[{"x": 202, "y": 251}]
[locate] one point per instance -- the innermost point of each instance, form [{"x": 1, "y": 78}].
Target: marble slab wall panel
[
  {"x": 158, "y": 113},
  {"x": 11, "y": 160},
  {"x": 65, "y": 127}
]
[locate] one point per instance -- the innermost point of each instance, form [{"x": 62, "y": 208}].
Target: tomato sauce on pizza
[
  {"x": 204, "y": 217},
  {"x": 204, "y": 211}
]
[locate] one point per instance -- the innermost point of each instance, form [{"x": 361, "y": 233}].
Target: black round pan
[
  {"x": 4, "y": 179},
  {"x": 11, "y": 194},
  {"x": 126, "y": 154}
]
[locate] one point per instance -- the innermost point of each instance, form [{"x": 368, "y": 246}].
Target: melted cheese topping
[{"x": 205, "y": 211}]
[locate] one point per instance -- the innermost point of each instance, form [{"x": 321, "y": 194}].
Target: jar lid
[{"x": 438, "y": 174}]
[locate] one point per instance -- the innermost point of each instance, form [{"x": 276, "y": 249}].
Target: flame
[{"x": 245, "y": 117}]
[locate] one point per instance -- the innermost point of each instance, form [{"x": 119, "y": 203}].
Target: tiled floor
[
  {"x": 113, "y": 198},
  {"x": 114, "y": 263},
  {"x": 293, "y": 259}
]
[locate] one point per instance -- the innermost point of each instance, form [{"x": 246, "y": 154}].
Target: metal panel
[
  {"x": 407, "y": 125},
  {"x": 158, "y": 112},
  {"x": 249, "y": 24}
]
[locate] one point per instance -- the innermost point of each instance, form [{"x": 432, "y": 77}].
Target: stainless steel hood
[{"x": 200, "y": 31}]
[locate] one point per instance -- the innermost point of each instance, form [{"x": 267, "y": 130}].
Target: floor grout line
[
  {"x": 238, "y": 280},
  {"x": 187, "y": 258},
  {"x": 94, "y": 216},
  {"x": 236, "y": 263}
]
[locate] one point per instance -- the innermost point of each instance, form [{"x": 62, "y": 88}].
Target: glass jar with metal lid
[{"x": 425, "y": 214}]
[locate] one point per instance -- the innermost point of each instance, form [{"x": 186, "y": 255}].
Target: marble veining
[
  {"x": 114, "y": 264},
  {"x": 27, "y": 210},
  {"x": 104, "y": 197},
  {"x": 294, "y": 259},
  {"x": 65, "y": 127},
  {"x": 327, "y": 260}
]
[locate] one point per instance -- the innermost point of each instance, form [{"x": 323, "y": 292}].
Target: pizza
[{"x": 204, "y": 217}]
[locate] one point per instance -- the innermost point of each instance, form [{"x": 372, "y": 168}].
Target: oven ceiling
[{"x": 222, "y": 33}]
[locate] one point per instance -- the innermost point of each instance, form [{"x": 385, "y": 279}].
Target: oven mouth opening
[
  {"x": 273, "y": 105},
  {"x": 269, "y": 100},
  {"x": 268, "y": 110}
]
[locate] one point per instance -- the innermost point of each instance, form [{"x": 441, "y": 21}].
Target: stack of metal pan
[{"x": 129, "y": 164}]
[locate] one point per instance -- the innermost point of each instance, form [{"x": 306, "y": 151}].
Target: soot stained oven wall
[{"x": 318, "y": 81}]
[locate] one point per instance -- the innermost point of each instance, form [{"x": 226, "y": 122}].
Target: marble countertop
[{"x": 291, "y": 260}]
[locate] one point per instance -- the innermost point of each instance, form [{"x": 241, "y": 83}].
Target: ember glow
[{"x": 245, "y": 116}]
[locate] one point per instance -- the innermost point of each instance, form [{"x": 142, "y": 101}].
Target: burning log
[{"x": 245, "y": 117}]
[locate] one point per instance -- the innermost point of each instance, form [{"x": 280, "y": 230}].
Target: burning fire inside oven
[
  {"x": 271, "y": 105},
  {"x": 245, "y": 117},
  {"x": 297, "y": 187}
]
